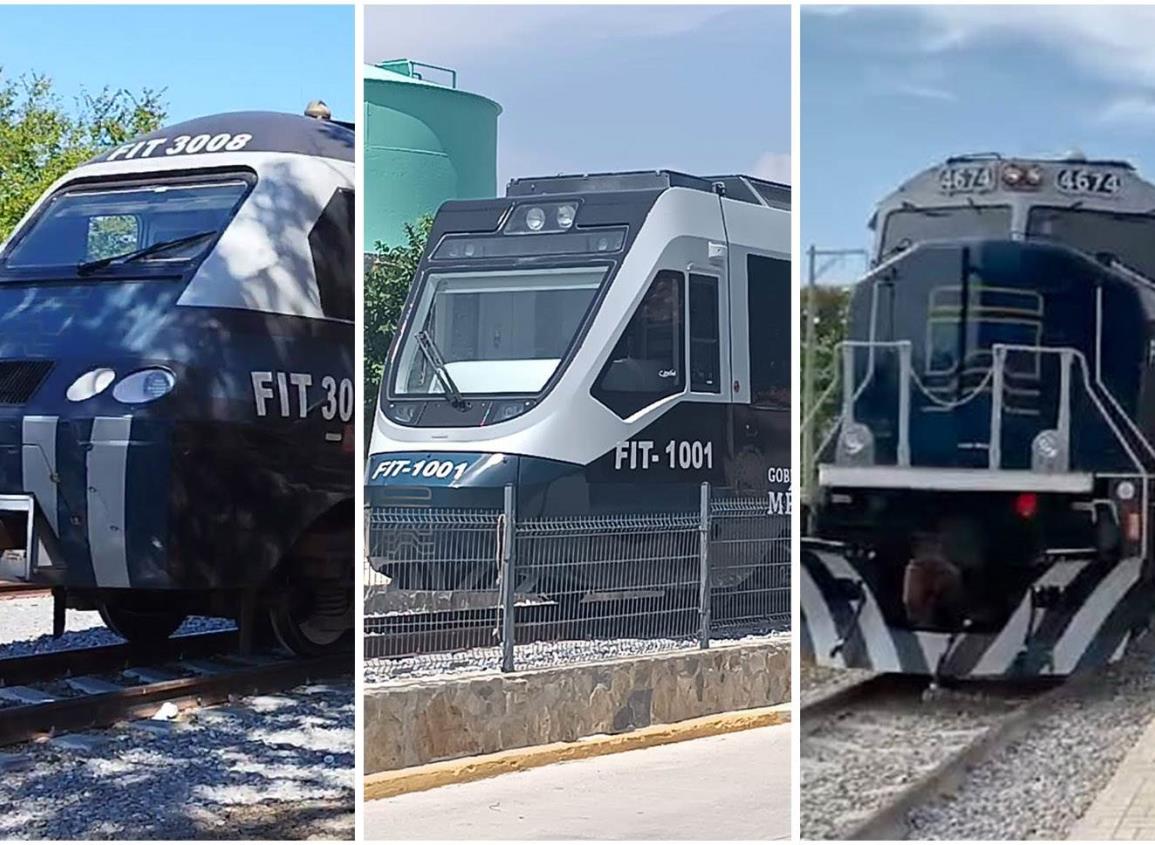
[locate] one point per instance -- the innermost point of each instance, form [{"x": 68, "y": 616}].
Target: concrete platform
[
  {"x": 1125, "y": 809},
  {"x": 732, "y": 786}
]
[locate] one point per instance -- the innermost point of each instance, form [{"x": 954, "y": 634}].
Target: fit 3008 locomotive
[{"x": 176, "y": 385}]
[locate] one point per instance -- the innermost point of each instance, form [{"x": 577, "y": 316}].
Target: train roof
[
  {"x": 271, "y": 132},
  {"x": 742, "y": 188},
  {"x": 1073, "y": 180}
]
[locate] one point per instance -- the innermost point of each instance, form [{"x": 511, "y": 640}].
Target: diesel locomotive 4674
[
  {"x": 982, "y": 506},
  {"x": 176, "y": 388}
]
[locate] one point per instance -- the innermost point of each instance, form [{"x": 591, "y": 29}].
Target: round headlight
[
  {"x": 144, "y": 386},
  {"x": 535, "y": 219},
  {"x": 1034, "y": 176},
  {"x": 1012, "y": 174},
  {"x": 1125, "y": 491},
  {"x": 90, "y": 384},
  {"x": 855, "y": 438},
  {"x": 565, "y": 216},
  {"x": 1047, "y": 445}
]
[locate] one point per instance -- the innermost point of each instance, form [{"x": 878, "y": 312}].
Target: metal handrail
[{"x": 843, "y": 359}]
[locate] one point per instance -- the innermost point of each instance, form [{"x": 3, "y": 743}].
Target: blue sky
[
  {"x": 704, "y": 89},
  {"x": 887, "y": 91},
  {"x": 209, "y": 58}
]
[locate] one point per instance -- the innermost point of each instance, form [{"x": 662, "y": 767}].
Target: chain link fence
[{"x": 481, "y": 590}]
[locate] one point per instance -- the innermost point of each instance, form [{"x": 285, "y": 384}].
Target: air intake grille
[{"x": 20, "y": 379}]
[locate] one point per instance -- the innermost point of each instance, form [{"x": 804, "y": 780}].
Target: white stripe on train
[{"x": 107, "y": 464}]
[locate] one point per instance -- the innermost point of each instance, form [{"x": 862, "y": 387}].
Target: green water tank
[{"x": 426, "y": 141}]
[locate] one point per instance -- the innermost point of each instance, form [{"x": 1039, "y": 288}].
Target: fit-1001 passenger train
[
  {"x": 176, "y": 389},
  {"x": 982, "y": 504},
  {"x": 603, "y": 344}
]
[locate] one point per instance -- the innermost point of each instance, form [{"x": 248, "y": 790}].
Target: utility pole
[{"x": 815, "y": 272}]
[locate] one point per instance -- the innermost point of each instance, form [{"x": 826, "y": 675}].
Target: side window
[
  {"x": 705, "y": 360},
  {"x": 331, "y": 243},
  {"x": 646, "y": 364},
  {"x": 767, "y": 300}
]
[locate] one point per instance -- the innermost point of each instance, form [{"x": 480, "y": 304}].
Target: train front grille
[{"x": 19, "y": 380}]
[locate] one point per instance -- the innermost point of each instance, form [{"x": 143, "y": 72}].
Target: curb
[{"x": 446, "y": 772}]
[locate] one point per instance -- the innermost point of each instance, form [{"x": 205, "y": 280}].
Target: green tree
[
  {"x": 830, "y": 307},
  {"x": 41, "y": 138},
  {"x": 388, "y": 273}
]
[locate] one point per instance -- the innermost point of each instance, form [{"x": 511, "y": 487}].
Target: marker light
[
  {"x": 565, "y": 215},
  {"x": 1026, "y": 505},
  {"x": 535, "y": 219},
  {"x": 1125, "y": 491},
  {"x": 144, "y": 386},
  {"x": 92, "y": 383}
]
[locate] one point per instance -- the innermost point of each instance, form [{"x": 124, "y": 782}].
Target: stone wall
[{"x": 418, "y": 722}]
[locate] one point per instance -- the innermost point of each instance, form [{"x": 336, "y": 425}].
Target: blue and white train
[
  {"x": 176, "y": 382},
  {"x": 983, "y": 497},
  {"x": 603, "y": 343}
]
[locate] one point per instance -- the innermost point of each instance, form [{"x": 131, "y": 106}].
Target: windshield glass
[
  {"x": 910, "y": 226},
  {"x": 81, "y": 225},
  {"x": 498, "y": 332},
  {"x": 1128, "y": 237}
]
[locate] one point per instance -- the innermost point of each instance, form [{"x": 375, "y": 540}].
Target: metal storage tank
[{"x": 425, "y": 142}]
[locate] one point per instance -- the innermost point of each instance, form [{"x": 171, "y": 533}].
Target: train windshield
[
  {"x": 1128, "y": 237},
  {"x": 909, "y": 226},
  {"x": 493, "y": 331},
  {"x": 96, "y": 229}
]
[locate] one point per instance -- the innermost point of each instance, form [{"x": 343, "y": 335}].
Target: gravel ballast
[
  {"x": 539, "y": 655},
  {"x": 275, "y": 766},
  {"x": 1040, "y": 786},
  {"x": 26, "y": 628}
]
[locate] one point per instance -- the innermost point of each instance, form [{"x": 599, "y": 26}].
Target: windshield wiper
[
  {"x": 433, "y": 354},
  {"x": 160, "y": 246}
]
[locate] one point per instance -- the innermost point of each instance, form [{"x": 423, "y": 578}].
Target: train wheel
[
  {"x": 315, "y": 617},
  {"x": 141, "y": 626}
]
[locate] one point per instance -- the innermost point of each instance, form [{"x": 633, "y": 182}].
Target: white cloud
[
  {"x": 774, "y": 167},
  {"x": 1113, "y": 42},
  {"x": 447, "y": 34},
  {"x": 922, "y": 92},
  {"x": 1131, "y": 110}
]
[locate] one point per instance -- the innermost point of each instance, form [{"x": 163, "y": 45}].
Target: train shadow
[{"x": 271, "y": 767}]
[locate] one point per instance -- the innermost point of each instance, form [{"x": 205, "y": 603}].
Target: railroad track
[
  {"x": 74, "y": 690},
  {"x": 874, "y": 751},
  {"x": 18, "y": 590}
]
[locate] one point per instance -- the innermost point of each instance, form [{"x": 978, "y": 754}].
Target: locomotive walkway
[{"x": 1125, "y": 809}]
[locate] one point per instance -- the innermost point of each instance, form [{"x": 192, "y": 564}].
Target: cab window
[{"x": 647, "y": 363}]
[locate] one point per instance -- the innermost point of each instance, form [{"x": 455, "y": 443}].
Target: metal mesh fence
[{"x": 579, "y": 588}]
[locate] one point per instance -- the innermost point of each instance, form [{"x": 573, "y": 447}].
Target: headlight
[
  {"x": 535, "y": 219},
  {"x": 92, "y": 383},
  {"x": 856, "y": 445},
  {"x": 565, "y": 215},
  {"x": 855, "y": 438},
  {"x": 1125, "y": 491},
  {"x": 144, "y": 386},
  {"x": 1047, "y": 445},
  {"x": 1047, "y": 453}
]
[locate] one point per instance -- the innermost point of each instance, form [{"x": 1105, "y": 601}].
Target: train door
[{"x": 760, "y": 428}]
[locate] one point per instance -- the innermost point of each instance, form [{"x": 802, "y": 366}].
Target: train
[
  {"x": 176, "y": 382},
  {"x": 981, "y": 500},
  {"x": 602, "y": 344}
]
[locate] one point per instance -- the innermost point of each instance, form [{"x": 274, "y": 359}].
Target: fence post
[
  {"x": 704, "y": 568},
  {"x": 508, "y": 581}
]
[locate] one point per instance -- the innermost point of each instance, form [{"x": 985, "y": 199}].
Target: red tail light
[{"x": 1026, "y": 505}]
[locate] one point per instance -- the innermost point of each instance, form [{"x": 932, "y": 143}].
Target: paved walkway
[
  {"x": 1126, "y": 808},
  {"x": 733, "y": 786}
]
